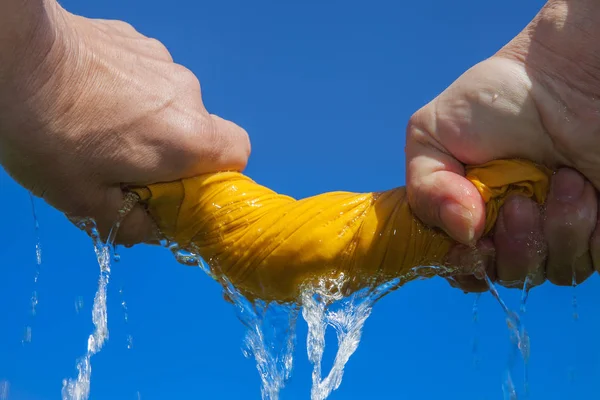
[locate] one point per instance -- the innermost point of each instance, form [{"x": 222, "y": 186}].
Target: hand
[
  {"x": 537, "y": 98},
  {"x": 559, "y": 242},
  {"x": 105, "y": 107}
]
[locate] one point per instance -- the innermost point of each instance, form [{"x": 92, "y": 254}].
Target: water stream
[
  {"x": 38, "y": 264},
  {"x": 271, "y": 328},
  {"x": 323, "y": 306},
  {"x": 519, "y": 339},
  {"x": 79, "y": 388}
]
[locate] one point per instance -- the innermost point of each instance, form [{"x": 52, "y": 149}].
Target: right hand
[
  {"x": 538, "y": 98},
  {"x": 93, "y": 105}
]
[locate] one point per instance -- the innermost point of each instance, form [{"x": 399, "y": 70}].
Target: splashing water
[
  {"x": 270, "y": 336},
  {"x": 270, "y": 339},
  {"x": 347, "y": 319},
  {"x": 79, "y": 389},
  {"x": 270, "y": 327}
]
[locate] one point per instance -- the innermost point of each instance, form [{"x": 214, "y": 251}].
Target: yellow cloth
[{"x": 268, "y": 244}]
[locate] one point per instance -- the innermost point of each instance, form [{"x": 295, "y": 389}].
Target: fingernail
[
  {"x": 519, "y": 216},
  {"x": 567, "y": 185},
  {"x": 458, "y": 222}
]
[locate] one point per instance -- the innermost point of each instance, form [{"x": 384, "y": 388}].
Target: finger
[
  {"x": 232, "y": 145},
  {"x": 115, "y": 26},
  {"x": 571, "y": 215},
  {"x": 438, "y": 192},
  {"x": 519, "y": 242},
  {"x": 104, "y": 206},
  {"x": 471, "y": 263}
]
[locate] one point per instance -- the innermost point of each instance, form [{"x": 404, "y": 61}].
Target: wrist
[{"x": 561, "y": 44}]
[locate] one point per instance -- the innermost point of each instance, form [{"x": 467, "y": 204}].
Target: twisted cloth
[{"x": 268, "y": 245}]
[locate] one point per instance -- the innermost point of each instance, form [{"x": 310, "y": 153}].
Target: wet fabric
[{"x": 268, "y": 245}]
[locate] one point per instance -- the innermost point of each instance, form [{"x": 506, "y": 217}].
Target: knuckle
[
  {"x": 159, "y": 48},
  {"x": 185, "y": 77},
  {"x": 122, "y": 25}
]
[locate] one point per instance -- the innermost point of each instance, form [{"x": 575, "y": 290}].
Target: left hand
[{"x": 556, "y": 242}]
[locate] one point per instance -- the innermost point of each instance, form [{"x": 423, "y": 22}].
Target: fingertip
[
  {"x": 454, "y": 205},
  {"x": 458, "y": 222},
  {"x": 137, "y": 227}
]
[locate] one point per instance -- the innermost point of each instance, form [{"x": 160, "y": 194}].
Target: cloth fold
[{"x": 268, "y": 245}]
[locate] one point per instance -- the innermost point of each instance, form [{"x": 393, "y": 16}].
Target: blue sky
[{"x": 325, "y": 89}]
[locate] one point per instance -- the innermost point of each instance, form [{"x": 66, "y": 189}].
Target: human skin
[
  {"x": 537, "y": 98},
  {"x": 88, "y": 105}
]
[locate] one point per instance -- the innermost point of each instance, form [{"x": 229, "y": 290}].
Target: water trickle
[
  {"x": 324, "y": 305},
  {"x": 126, "y": 317},
  {"x": 38, "y": 263},
  {"x": 575, "y": 333},
  {"x": 36, "y": 226},
  {"x": 475, "y": 348},
  {"x": 519, "y": 340},
  {"x": 4, "y": 388},
  {"x": 116, "y": 255},
  {"x": 527, "y": 285},
  {"x": 129, "y": 342},
  {"x": 78, "y": 304},
  {"x": 26, "y": 335},
  {"x": 270, "y": 339},
  {"x": 79, "y": 388},
  {"x": 34, "y": 302}
]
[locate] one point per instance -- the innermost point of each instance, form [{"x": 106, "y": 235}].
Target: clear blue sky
[{"x": 325, "y": 89}]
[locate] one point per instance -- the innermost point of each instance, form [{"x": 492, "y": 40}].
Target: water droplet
[
  {"x": 494, "y": 97},
  {"x": 116, "y": 255},
  {"x": 27, "y": 335},
  {"x": 4, "y": 388},
  {"x": 34, "y": 302},
  {"x": 129, "y": 342},
  {"x": 78, "y": 304}
]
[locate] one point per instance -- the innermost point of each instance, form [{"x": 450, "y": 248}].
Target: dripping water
[
  {"x": 78, "y": 304},
  {"x": 519, "y": 340},
  {"x": 527, "y": 285},
  {"x": 475, "y": 348},
  {"x": 38, "y": 263},
  {"x": 323, "y": 306},
  {"x": 126, "y": 318},
  {"x": 79, "y": 388},
  {"x": 574, "y": 305},
  {"x": 270, "y": 336},
  {"x": 4, "y": 388}
]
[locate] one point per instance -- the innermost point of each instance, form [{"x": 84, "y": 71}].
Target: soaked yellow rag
[{"x": 267, "y": 244}]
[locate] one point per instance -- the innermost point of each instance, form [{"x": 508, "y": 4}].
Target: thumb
[
  {"x": 438, "y": 192},
  {"x": 232, "y": 142}
]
